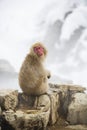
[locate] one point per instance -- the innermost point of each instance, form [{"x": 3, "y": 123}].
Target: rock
[
  {"x": 28, "y": 102},
  {"x": 77, "y": 110},
  {"x": 61, "y": 122},
  {"x": 72, "y": 88},
  {"x": 64, "y": 98},
  {"x": 69, "y": 127},
  {"x": 0, "y": 111},
  {"x": 65, "y": 93},
  {"x": 25, "y": 102},
  {"x": 32, "y": 112},
  {"x": 76, "y": 127},
  {"x": 55, "y": 103},
  {"x": 44, "y": 103},
  {"x": 23, "y": 120},
  {"x": 8, "y": 99},
  {"x": 22, "y": 112}
]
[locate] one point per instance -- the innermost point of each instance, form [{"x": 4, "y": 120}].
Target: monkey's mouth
[{"x": 40, "y": 53}]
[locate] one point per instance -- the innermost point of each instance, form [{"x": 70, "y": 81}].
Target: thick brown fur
[{"x": 33, "y": 76}]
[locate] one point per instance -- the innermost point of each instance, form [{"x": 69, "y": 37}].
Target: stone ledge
[
  {"x": 77, "y": 110},
  {"x": 8, "y": 99},
  {"x": 21, "y": 120},
  {"x": 21, "y": 112}
]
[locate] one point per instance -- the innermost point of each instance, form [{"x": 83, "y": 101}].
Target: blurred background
[{"x": 60, "y": 25}]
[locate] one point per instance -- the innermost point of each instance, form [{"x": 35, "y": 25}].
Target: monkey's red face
[{"x": 39, "y": 50}]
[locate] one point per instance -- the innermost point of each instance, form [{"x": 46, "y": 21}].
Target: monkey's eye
[
  {"x": 38, "y": 47},
  {"x": 35, "y": 49}
]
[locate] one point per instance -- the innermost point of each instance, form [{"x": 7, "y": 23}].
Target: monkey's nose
[{"x": 40, "y": 53}]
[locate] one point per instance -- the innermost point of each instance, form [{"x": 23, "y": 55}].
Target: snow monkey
[{"x": 33, "y": 77}]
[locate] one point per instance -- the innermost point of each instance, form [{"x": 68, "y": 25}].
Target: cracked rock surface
[{"x": 63, "y": 104}]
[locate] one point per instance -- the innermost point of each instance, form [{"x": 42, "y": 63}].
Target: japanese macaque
[{"x": 33, "y": 77}]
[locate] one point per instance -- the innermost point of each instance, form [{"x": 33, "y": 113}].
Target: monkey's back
[{"x": 31, "y": 74}]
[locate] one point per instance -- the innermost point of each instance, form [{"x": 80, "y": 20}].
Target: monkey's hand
[{"x": 48, "y": 74}]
